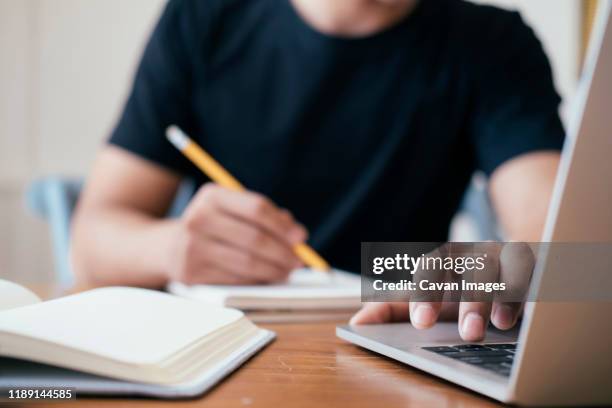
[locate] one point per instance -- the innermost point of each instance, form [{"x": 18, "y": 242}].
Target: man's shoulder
[
  {"x": 206, "y": 9},
  {"x": 195, "y": 22},
  {"x": 481, "y": 27},
  {"x": 484, "y": 15}
]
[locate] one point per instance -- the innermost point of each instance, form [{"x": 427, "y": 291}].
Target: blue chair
[{"x": 54, "y": 199}]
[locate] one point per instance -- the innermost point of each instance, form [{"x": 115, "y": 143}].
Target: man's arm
[
  {"x": 120, "y": 236},
  {"x": 117, "y": 231},
  {"x": 520, "y": 190}
]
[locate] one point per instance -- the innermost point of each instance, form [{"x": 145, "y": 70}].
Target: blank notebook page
[
  {"x": 13, "y": 296},
  {"x": 127, "y": 324}
]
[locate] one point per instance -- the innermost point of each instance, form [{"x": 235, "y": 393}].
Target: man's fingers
[
  {"x": 516, "y": 263},
  {"x": 260, "y": 211},
  {"x": 505, "y": 314},
  {"x": 424, "y": 315},
  {"x": 251, "y": 240},
  {"x": 377, "y": 313},
  {"x": 243, "y": 264},
  {"x": 473, "y": 320},
  {"x": 240, "y": 232},
  {"x": 425, "y": 305}
]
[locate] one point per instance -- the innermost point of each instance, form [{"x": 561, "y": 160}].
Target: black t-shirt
[{"x": 366, "y": 139}]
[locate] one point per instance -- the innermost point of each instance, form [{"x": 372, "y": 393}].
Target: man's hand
[
  {"x": 515, "y": 265},
  {"x": 122, "y": 237},
  {"x": 229, "y": 237}
]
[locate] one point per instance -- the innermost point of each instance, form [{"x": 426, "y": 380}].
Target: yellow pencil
[{"x": 219, "y": 175}]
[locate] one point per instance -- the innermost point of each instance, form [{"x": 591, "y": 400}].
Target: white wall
[
  {"x": 87, "y": 51},
  {"x": 15, "y": 95},
  {"x": 65, "y": 68},
  {"x": 18, "y": 246}
]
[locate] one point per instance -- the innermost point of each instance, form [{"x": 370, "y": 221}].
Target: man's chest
[{"x": 279, "y": 116}]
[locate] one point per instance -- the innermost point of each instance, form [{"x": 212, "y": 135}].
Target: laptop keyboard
[{"x": 494, "y": 357}]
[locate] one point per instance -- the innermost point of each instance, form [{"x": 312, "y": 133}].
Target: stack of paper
[{"x": 306, "y": 296}]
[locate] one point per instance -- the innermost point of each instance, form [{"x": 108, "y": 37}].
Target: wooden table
[{"x": 308, "y": 366}]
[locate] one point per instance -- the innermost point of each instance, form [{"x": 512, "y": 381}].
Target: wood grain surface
[{"x": 308, "y": 366}]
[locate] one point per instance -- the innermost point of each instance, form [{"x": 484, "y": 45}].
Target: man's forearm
[
  {"x": 521, "y": 191},
  {"x": 121, "y": 247}
]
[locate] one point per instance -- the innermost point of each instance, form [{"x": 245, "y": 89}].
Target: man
[{"x": 354, "y": 120}]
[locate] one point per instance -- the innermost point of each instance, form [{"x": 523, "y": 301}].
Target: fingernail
[
  {"x": 504, "y": 317},
  {"x": 472, "y": 327},
  {"x": 423, "y": 316}
]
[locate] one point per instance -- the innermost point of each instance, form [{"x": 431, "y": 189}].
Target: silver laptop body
[{"x": 564, "y": 350}]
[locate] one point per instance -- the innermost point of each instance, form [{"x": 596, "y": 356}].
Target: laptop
[{"x": 562, "y": 352}]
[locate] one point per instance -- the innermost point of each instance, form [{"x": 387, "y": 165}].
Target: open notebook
[
  {"x": 121, "y": 341},
  {"x": 306, "y": 296}
]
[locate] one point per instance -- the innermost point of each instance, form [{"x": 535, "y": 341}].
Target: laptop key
[
  {"x": 480, "y": 353},
  {"x": 441, "y": 349},
  {"x": 503, "y": 346},
  {"x": 498, "y": 360},
  {"x": 470, "y": 347},
  {"x": 482, "y": 361}
]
